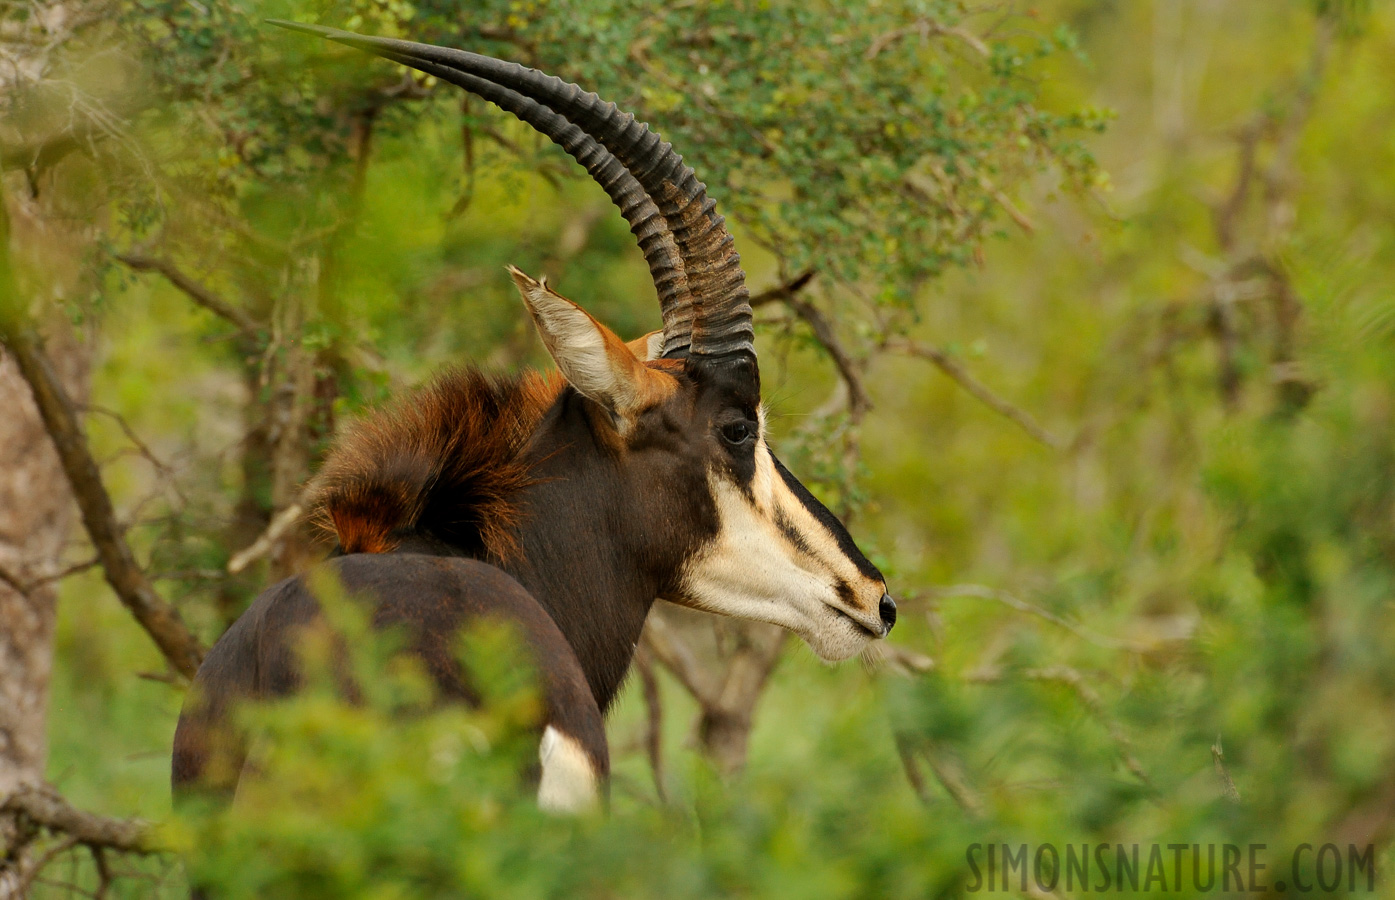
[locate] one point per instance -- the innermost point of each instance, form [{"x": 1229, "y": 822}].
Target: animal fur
[{"x": 445, "y": 462}]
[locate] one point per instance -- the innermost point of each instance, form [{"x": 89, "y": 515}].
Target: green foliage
[
  {"x": 298, "y": 832},
  {"x": 377, "y": 801},
  {"x": 1207, "y": 563}
]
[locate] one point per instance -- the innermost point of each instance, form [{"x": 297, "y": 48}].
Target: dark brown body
[
  {"x": 517, "y": 497},
  {"x": 478, "y": 497},
  {"x": 431, "y": 598}
]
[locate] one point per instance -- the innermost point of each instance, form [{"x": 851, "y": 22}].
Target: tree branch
[
  {"x": 24, "y": 587},
  {"x": 141, "y": 447},
  {"x": 1089, "y": 698},
  {"x": 160, "y": 620},
  {"x": 29, "y": 870},
  {"x": 988, "y": 593},
  {"x": 784, "y": 291},
  {"x": 859, "y": 402},
  {"x": 896, "y": 658},
  {"x": 906, "y": 751},
  {"x": 197, "y": 292},
  {"x": 948, "y": 772},
  {"x": 670, "y": 650},
  {"x": 43, "y": 154},
  {"x": 1077, "y": 682},
  {"x": 45, "y": 807},
  {"x": 266, "y": 541},
  {"x": 951, "y": 367},
  {"x": 925, "y": 28},
  {"x": 19, "y": 585}
]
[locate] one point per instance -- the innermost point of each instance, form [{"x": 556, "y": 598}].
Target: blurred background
[{"x": 1080, "y": 312}]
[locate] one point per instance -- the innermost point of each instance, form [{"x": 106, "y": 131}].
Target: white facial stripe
[
  {"x": 569, "y": 782},
  {"x": 818, "y": 542},
  {"x": 754, "y": 570}
]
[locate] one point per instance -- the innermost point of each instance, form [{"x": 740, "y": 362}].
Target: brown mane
[{"x": 444, "y": 461}]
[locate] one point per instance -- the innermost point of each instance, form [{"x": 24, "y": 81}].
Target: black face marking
[
  {"x": 740, "y": 376},
  {"x": 728, "y": 393},
  {"x": 792, "y": 534},
  {"x": 849, "y": 596},
  {"x": 828, "y": 521}
]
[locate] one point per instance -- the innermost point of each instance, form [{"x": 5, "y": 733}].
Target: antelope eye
[{"x": 737, "y": 433}]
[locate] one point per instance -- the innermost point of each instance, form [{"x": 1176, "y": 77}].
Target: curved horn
[
  {"x": 656, "y": 239},
  {"x": 721, "y": 324}
]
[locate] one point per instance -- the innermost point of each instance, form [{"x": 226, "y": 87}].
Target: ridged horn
[
  {"x": 656, "y": 239},
  {"x": 721, "y": 314}
]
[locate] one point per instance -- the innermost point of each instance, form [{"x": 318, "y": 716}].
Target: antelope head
[{"x": 720, "y": 522}]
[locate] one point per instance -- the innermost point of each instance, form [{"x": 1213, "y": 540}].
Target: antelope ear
[
  {"x": 589, "y": 355},
  {"x": 647, "y": 348}
]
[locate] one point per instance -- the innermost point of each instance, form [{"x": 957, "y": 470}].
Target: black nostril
[{"x": 888, "y": 611}]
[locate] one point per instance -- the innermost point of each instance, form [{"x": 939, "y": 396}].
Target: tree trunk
[
  {"x": 36, "y": 516},
  {"x": 725, "y": 664}
]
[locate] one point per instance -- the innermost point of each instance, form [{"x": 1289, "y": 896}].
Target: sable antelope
[{"x": 566, "y": 503}]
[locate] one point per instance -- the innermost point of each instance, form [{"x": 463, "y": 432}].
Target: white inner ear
[
  {"x": 577, "y": 344},
  {"x": 653, "y": 346}
]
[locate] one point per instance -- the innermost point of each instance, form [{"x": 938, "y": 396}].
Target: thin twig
[
  {"x": 898, "y": 659},
  {"x": 161, "y": 677},
  {"x": 653, "y": 730},
  {"x": 1003, "y": 200},
  {"x": 911, "y": 767},
  {"x": 951, "y": 367},
  {"x": 64, "y": 572},
  {"x": 1077, "y": 682},
  {"x": 32, "y": 869},
  {"x": 141, "y": 447},
  {"x": 267, "y": 540},
  {"x": 190, "y": 575},
  {"x": 1014, "y": 213},
  {"x": 99, "y": 858},
  {"x": 925, "y": 28},
  {"x": 18, "y": 584},
  {"x": 1232, "y": 793},
  {"x": 859, "y": 402},
  {"x": 984, "y": 592},
  {"x": 950, "y": 774},
  {"x": 165, "y": 470},
  {"x": 1088, "y": 696}
]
